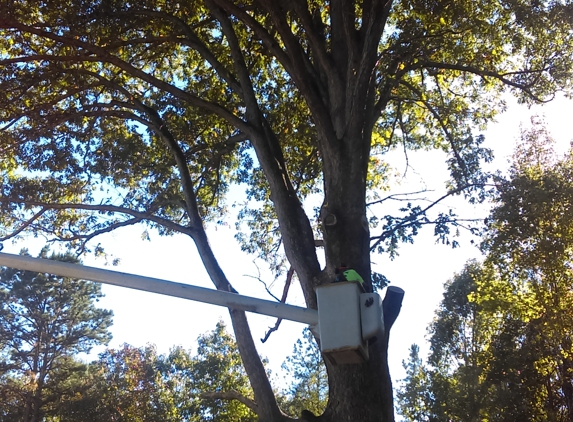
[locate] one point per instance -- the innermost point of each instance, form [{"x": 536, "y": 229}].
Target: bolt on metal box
[
  {"x": 339, "y": 323},
  {"x": 371, "y": 316}
]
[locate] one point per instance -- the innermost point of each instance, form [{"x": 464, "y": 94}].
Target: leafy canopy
[
  {"x": 138, "y": 384},
  {"x": 107, "y": 105}
]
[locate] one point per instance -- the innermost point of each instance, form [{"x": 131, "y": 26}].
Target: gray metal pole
[{"x": 164, "y": 287}]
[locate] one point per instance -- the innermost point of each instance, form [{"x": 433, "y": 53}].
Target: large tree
[
  {"x": 530, "y": 243},
  {"x": 116, "y": 112},
  {"x": 501, "y": 345},
  {"x": 44, "y": 321}
]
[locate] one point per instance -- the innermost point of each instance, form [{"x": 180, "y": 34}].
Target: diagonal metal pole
[{"x": 164, "y": 287}]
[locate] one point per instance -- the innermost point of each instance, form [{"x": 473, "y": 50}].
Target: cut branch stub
[{"x": 391, "y": 305}]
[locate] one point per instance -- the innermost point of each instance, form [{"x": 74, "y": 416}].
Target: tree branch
[
  {"x": 412, "y": 218},
  {"x": 370, "y": 34},
  {"x": 260, "y": 31},
  {"x": 316, "y": 40},
  {"x": 231, "y": 395},
  {"x": 100, "y": 54},
  {"x": 195, "y": 43},
  {"x": 238, "y": 62},
  {"x": 386, "y": 91},
  {"x": 24, "y": 226},
  {"x": 438, "y": 118},
  {"x": 253, "y": 365},
  {"x": 502, "y": 77},
  {"x": 262, "y": 282},
  {"x": 287, "y": 285},
  {"x": 84, "y": 238},
  {"x": 302, "y": 71},
  {"x": 232, "y": 140},
  {"x": 102, "y": 208},
  {"x": 394, "y": 197}
]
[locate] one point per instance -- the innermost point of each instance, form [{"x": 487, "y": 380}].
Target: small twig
[
  {"x": 288, "y": 282},
  {"x": 25, "y": 225},
  {"x": 262, "y": 281},
  {"x": 394, "y": 197}
]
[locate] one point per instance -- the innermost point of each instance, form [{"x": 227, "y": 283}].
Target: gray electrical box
[{"x": 340, "y": 323}]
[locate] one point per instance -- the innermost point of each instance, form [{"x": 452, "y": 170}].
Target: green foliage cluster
[
  {"x": 99, "y": 97},
  {"x": 501, "y": 345},
  {"x": 138, "y": 384},
  {"x": 309, "y": 381}
]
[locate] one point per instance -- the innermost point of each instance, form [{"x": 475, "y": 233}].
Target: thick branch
[
  {"x": 231, "y": 395},
  {"x": 238, "y": 61},
  {"x": 302, "y": 71},
  {"x": 267, "y": 39},
  {"x": 370, "y": 34},
  {"x": 262, "y": 389},
  {"x": 316, "y": 40},
  {"x": 186, "y": 182},
  {"x": 101, "y": 208},
  {"x": 264, "y": 395}
]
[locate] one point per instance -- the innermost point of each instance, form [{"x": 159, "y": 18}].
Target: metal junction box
[{"x": 340, "y": 323}]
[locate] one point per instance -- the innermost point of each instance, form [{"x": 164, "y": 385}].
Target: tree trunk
[
  {"x": 361, "y": 392},
  {"x": 337, "y": 93},
  {"x": 357, "y": 392},
  {"x": 37, "y": 403}
]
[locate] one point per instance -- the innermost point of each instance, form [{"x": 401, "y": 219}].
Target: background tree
[
  {"x": 413, "y": 397},
  {"x": 452, "y": 386},
  {"x": 44, "y": 321},
  {"x": 217, "y": 375},
  {"x": 138, "y": 384},
  {"x": 308, "y": 389},
  {"x": 126, "y": 385},
  {"x": 531, "y": 244},
  {"x": 501, "y": 341},
  {"x": 116, "y": 113}
]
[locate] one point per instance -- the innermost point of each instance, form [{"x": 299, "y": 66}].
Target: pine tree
[
  {"x": 44, "y": 322},
  {"x": 308, "y": 389},
  {"x": 413, "y": 396}
]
